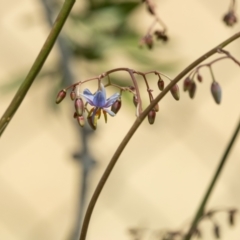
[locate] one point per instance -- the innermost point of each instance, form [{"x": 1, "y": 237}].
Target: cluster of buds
[
  {"x": 161, "y": 35},
  {"x": 230, "y": 17},
  {"x": 190, "y": 85},
  {"x": 90, "y": 106}
]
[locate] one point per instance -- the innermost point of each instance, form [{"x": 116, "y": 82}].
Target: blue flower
[{"x": 99, "y": 101}]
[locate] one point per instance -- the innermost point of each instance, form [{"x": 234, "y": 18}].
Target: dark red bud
[
  {"x": 160, "y": 84},
  {"x": 199, "y": 77},
  {"x": 73, "y": 95},
  {"x": 79, "y": 106},
  {"x": 116, "y": 106},
  {"x": 61, "y": 95},
  {"x": 192, "y": 89},
  {"x": 175, "y": 92},
  {"x": 151, "y": 116},
  {"x": 230, "y": 18},
  {"x": 187, "y": 82},
  {"x": 216, "y": 92}
]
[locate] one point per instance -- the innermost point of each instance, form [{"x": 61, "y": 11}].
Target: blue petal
[
  {"x": 88, "y": 96},
  {"x": 109, "y": 112},
  {"x": 110, "y": 101},
  {"x": 99, "y": 99},
  {"x": 103, "y": 91}
]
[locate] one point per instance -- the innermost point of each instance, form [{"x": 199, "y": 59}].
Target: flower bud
[
  {"x": 116, "y": 106},
  {"x": 216, "y": 92},
  {"x": 135, "y": 101},
  {"x": 151, "y": 116},
  {"x": 230, "y": 18},
  {"x": 199, "y": 77},
  {"x": 231, "y": 217},
  {"x": 80, "y": 120},
  {"x": 192, "y": 89},
  {"x": 61, "y": 95},
  {"x": 79, "y": 106},
  {"x": 175, "y": 92},
  {"x": 216, "y": 231},
  {"x": 73, "y": 95},
  {"x": 186, "y": 84},
  {"x": 160, "y": 84}
]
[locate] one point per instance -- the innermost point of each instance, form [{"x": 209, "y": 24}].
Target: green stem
[
  {"x": 37, "y": 65},
  {"x": 135, "y": 126},
  {"x": 219, "y": 169}
]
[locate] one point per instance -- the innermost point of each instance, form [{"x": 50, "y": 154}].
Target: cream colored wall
[{"x": 163, "y": 172}]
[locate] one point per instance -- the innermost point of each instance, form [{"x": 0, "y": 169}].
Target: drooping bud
[
  {"x": 216, "y": 92},
  {"x": 161, "y": 35},
  {"x": 61, "y": 95},
  {"x": 175, "y": 92},
  {"x": 80, "y": 120},
  {"x": 116, "y": 106},
  {"x": 73, "y": 95},
  {"x": 216, "y": 231},
  {"x": 135, "y": 101},
  {"x": 186, "y": 84},
  {"x": 192, "y": 89},
  {"x": 231, "y": 217},
  {"x": 199, "y": 77},
  {"x": 151, "y": 116},
  {"x": 230, "y": 18},
  {"x": 160, "y": 84},
  {"x": 79, "y": 106}
]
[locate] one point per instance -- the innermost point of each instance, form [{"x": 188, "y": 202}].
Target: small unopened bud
[
  {"x": 216, "y": 231},
  {"x": 230, "y": 18},
  {"x": 135, "y": 101},
  {"x": 79, "y": 106},
  {"x": 231, "y": 217},
  {"x": 160, "y": 84},
  {"x": 61, "y": 95},
  {"x": 73, "y": 95},
  {"x": 80, "y": 120},
  {"x": 186, "y": 84},
  {"x": 175, "y": 92},
  {"x": 192, "y": 89},
  {"x": 116, "y": 106},
  {"x": 199, "y": 77},
  {"x": 148, "y": 40},
  {"x": 161, "y": 35},
  {"x": 151, "y": 116},
  {"x": 216, "y": 92}
]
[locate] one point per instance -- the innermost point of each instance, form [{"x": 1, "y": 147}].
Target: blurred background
[{"x": 49, "y": 166}]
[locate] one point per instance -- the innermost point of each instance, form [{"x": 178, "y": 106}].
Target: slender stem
[
  {"x": 135, "y": 126},
  {"x": 37, "y": 65},
  {"x": 201, "y": 208}
]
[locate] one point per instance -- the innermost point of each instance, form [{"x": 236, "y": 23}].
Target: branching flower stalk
[
  {"x": 37, "y": 65},
  {"x": 159, "y": 33},
  {"x": 100, "y": 103},
  {"x": 136, "y": 125}
]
